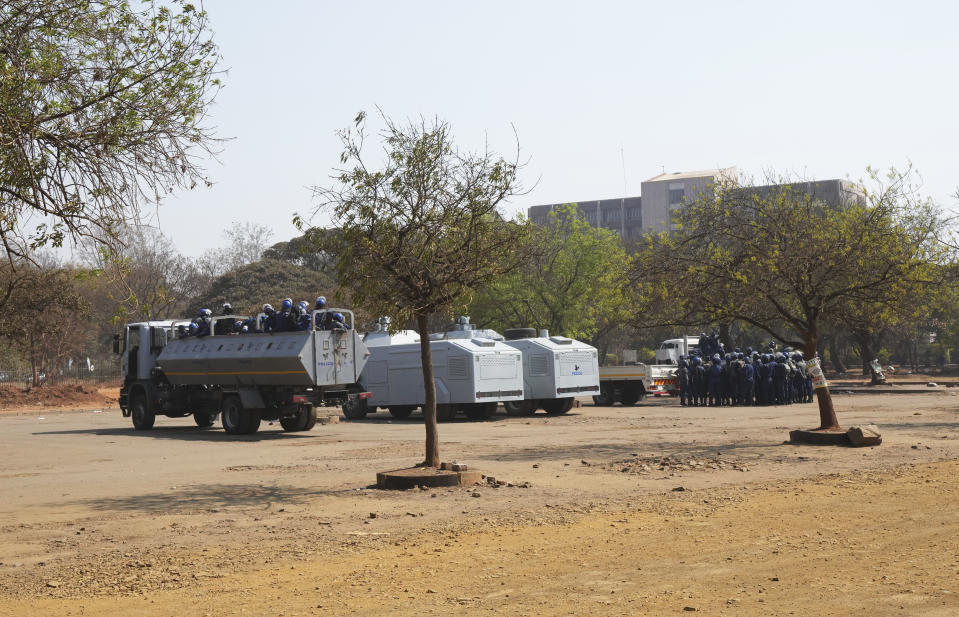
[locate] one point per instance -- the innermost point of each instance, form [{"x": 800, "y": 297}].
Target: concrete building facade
[{"x": 662, "y": 196}]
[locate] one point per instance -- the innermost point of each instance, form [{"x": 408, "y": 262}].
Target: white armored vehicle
[
  {"x": 246, "y": 377},
  {"x": 472, "y": 375},
  {"x": 555, "y": 369}
]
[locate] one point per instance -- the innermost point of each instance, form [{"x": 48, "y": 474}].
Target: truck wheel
[
  {"x": 630, "y": 394},
  {"x": 294, "y": 423},
  {"x": 204, "y": 419},
  {"x": 445, "y": 413},
  {"x": 355, "y": 409},
  {"x": 252, "y": 417},
  {"x": 603, "y": 399},
  {"x": 143, "y": 417},
  {"x": 310, "y": 418},
  {"x": 233, "y": 416},
  {"x": 557, "y": 406},
  {"x": 401, "y": 412},
  {"x": 520, "y": 408},
  {"x": 480, "y": 411}
]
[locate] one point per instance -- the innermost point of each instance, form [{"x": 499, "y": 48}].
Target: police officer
[
  {"x": 284, "y": 317},
  {"x": 698, "y": 379},
  {"x": 757, "y": 365},
  {"x": 682, "y": 374},
  {"x": 269, "y": 319},
  {"x": 322, "y": 318},
  {"x": 338, "y": 322},
  {"x": 202, "y": 321},
  {"x": 799, "y": 378},
  {"x": 733, "y": 372},
  {"x": 766, "y": 379},
  {"x": 715, "y": 381},
  {"x": 780, "y": 377},
  {"x": 302, "y": 315},
  {"x": 225, "y": 326},
  {"x": 247, "y": 326},
  {"x": 746, "y": 381}
]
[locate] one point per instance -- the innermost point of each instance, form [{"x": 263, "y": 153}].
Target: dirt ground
[
  {"x": 16, "y": 399},
  {"x": 653, "y": 509}
]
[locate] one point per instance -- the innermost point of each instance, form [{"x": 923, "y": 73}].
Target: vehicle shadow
[
  {"x": 417, "y": 418},
  {"x": 212, "y": 497},
  {"x": 181, "y": 433}
]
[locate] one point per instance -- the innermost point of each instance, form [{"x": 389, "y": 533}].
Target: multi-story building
[
  {"x": 665, "y": 194},
  {"x": 623, "y": 215},
  {"x": 655, "y": 209}
]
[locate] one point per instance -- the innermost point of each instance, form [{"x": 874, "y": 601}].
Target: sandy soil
[
  {"x": 649, "y": 510},
  {"x": 17, "y": 399}
]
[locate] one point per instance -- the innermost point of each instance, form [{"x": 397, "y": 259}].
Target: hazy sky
[{"x": 819, "y": 89}]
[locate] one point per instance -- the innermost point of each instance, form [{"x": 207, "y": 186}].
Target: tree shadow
[
  {"x": 181, "y": 433},
  {"x": 951, "y": 428},
  {"x": 598, "y": 452},
  {"x": 211, "y": 496}
]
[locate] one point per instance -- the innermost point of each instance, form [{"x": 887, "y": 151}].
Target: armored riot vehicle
[
  {"x": 246, "y": 377},
  {"x": 556, "y": 369},
  {"x": 472, "y": 375}
]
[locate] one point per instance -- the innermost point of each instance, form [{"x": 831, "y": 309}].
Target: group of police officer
[
  {"x": 738, "y": 378},
  {"x": 290, "y": 318}
]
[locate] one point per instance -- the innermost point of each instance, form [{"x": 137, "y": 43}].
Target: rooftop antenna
[{"x": 622, "y": 202}]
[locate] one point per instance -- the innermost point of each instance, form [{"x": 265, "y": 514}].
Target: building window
[
  {"x": 634, "y": 214},
  {"x": 677, "y": 193},
  {"x": 611, "y": 216}
]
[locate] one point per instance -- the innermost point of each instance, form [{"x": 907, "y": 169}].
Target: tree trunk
[
  {"x": 725, "y": 337},
  {"x": 835, "y": 355},
  {"x": 429, "y": 385},
  {"x": 867, "y": 350},
  {"x": 827, "y": 415}
]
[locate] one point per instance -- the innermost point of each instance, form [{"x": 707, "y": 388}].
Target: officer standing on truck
[
  {"x": 323, "y": 317},
  {"x": 269, "y": 319},
  {"x": 225, "y": 326},
  {"x": 284, "y": 318},
  {"x": 338, "y": 322},
  {"x": 302, "y": 314},
  {"x": 202, "y": 321}
]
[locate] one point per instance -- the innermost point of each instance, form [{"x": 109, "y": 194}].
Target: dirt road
[{"x": 99, "y": 520}]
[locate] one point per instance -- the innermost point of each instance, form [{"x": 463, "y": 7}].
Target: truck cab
[{"x": 671, "y": 349}]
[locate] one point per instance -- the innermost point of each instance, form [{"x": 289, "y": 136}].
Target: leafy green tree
[
  {"x": 785, "y": 262},
  {"x": 102, "y": 108},
  {"x": 56, "y": 328},
  {"x": 422, "y": 232},
  {"x": 574, "y": 282}
]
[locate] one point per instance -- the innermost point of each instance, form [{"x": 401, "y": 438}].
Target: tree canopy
[
  {"x": 102, "y": 108},
  {"x": 422, "y": 232},
  {"x": 574, "y": 281},
  {"x": 784, "y": 261}
]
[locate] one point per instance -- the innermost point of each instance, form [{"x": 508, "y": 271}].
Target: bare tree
[
  {"x": 102, "y": 109},
  {"x": 423, "y": 231},
  {"x": 246, "y": 244}
]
